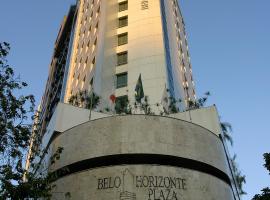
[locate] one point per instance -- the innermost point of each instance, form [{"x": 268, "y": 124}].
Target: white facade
[{"x": 154, "y": 44}]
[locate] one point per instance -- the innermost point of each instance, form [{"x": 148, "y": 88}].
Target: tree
[
  {"x": 16, "y": 114},
  {"x": 265, "y": 195},
  {"x": 122, "y": 105},
  {"x": 239, "y": 177},
  {"x": 226, "y": 129},
  {"x": 267, "y": 161}
]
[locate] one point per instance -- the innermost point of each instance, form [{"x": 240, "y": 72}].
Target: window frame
[
  {"x": 122, "y": 39},
  {"x": 121, "y": 19},
  {"x": 122, "y": 6},
  {"x": 118, "y": 83},
  {"x": 122, "y": 61}
]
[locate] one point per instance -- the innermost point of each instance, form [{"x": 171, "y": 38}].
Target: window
[
  {"x": 122, "y": 58},
  {"x": 121, "y": 80},
  {"x": 123, "y": 21},
  {"x": 94, "y": 45},
  {"x": 123, "y": 6},
  {"x": 121, "y": 104},
  {"x": 96, "y": 27},
  {"x": 89, "y": 30},
  {"x": 85, "y": 63},
  {"x": 122, "y": 39},
  {"x": 92, "y": 63},
  {"x": 87, "y": 46}
]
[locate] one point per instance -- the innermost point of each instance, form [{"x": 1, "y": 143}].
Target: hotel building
[{"x": 104, "y": 46}]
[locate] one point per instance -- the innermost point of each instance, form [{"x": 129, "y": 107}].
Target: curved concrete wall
[{"x": 142, "y": 157}]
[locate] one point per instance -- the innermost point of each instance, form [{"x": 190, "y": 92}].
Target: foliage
[
  {"x": 264, "y": 196},
  {"x": 145, "y": 106},
  {"x": 267, "y": 161},
  {"x": 16, "y": 135},
  {"x": 198, "y": 103},
  {"x": 85, "y": 99},
  {"x": 266, "y": 191},
  {"x": 226, "y": 129},
  {"x": 15, "y": 132},
  {"x": 225, "y": 126},
  {"x": 239, "y": 177},
  {"x": 122, "y": 105},
  {"x": 169, "y": 103},
  {"x": 173, "y": 105}
]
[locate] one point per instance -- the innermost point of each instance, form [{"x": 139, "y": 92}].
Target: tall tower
[
  {"x": 115, "y": 41},
  {"x": 105, "y": 46},
  {"x": 56, "y": 79}
]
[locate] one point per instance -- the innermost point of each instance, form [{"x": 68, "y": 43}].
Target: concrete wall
[
  {"x": 85, "y": 185},
  {"x": 205, "y": 117},
  {"x": 141, "y": 135},
  {"x": 67, "y": 116}
]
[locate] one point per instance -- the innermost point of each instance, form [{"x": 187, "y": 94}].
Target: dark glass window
[
  {"x": 122, "y": 58},
  {"x": 121, "y": 80},
  {"x": 122, "y": 21},
  {"x": 122, "y": 39},
  {"x": 123, "y": 6}
]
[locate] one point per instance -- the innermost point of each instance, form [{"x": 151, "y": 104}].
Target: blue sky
[{"x": 229, "y": 44}]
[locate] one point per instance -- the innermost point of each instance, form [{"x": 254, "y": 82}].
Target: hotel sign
[{"x": 152, "y": 187}]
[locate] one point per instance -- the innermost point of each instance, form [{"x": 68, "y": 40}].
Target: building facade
[
  {"x": 105, "y": 46},
  {"x": 116, "y": 41},
  {"x": 55, "y": 81}
]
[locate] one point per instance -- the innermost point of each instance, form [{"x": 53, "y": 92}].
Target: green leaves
[
  {"x": 239, "y": 177},
  {"x": 266, "y": 191},
  {"x": 264, "y": 196},
  {"x": 16, "y": 134},
  {"x": 56, "y": 155},
  {"x": 4, "y": 50},
  {"x": 267, "y": 161},
  {"x": 85, "y": 99},
  {"x": 226, "y": 129}
]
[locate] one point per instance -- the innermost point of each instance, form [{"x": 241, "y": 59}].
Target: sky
[{"x": 229, "y": 44}]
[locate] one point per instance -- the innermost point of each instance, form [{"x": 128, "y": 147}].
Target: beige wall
[
  {"x": 146, "y": 50},
  {"x": 84, "y": 47}
]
